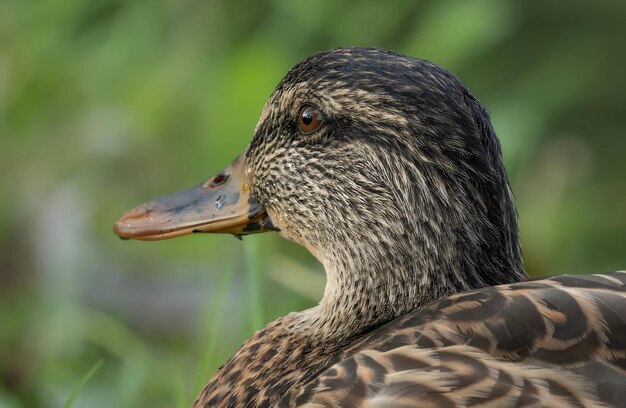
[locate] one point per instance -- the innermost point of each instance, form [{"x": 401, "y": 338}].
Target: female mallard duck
[{"x": 388, "y": 170}]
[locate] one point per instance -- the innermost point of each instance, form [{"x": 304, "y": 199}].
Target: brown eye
[{"x": 309, "y": 119}]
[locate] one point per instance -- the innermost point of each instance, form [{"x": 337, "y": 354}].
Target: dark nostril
[{"x": 218, "y": 180}]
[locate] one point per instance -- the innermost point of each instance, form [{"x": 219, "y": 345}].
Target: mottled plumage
[
  {"x": 558, "y": 342},
  {"x": 400, "y": 192}
]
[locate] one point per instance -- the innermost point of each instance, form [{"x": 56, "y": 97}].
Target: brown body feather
[{"x": 558, "y": 342}]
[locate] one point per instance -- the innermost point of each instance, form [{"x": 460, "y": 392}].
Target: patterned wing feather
[{"x": 558, "y": 342}]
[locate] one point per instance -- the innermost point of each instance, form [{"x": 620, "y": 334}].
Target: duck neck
[
  {"x": 368, "y": 286},
  {"x": 371, "y": 280}
]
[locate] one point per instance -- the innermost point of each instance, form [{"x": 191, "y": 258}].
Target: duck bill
[{"x": 222, "y": 204}]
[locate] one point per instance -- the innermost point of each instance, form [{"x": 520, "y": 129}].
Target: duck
[{"x": 387, "y": 169}]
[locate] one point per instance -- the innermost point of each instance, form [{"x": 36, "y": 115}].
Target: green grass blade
[
  {"x": 180, "y": 394},
  {"x": 253, "y": 266},
  {"x": 214, "y": 317},
  {"x": 82, "y": 383}
]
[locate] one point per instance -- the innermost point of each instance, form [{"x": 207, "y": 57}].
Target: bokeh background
[{"x": 104, "y": 104}]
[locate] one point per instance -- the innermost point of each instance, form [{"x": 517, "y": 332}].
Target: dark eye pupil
[{"x": 307, "y": 117}]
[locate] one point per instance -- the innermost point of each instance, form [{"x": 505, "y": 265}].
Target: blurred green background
[{"x": 104, "y": 104}]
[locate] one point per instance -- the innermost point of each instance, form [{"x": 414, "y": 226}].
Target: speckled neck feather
[{"x": 402, "y": 196}]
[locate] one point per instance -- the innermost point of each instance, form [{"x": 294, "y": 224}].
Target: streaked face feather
[{"x": 404, "y": 163}]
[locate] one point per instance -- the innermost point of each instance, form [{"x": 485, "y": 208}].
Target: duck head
[{"x": 384, "y": 166}]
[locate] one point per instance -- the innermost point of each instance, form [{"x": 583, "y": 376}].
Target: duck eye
[{"x": 309, "y": 119}]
